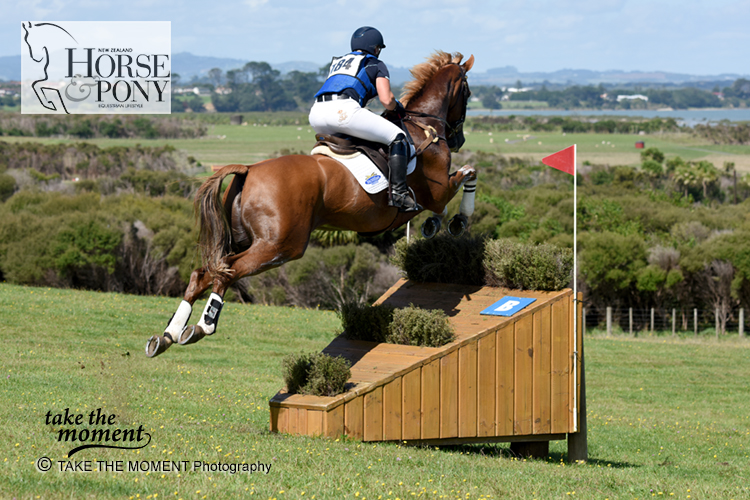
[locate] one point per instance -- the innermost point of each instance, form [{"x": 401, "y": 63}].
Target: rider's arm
[{"x": 383, "y": 86}]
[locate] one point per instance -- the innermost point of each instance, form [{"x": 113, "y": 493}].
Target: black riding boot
[{"x": 400, "y": 194}]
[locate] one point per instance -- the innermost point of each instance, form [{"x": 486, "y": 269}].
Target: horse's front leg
[
  {"x": 432, "y": 225},
  {"x": 200, "y": 281},
  {"x": 466, "y": 176}
]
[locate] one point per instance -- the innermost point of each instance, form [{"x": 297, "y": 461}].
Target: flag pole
[{"x": 565, "y": 161}]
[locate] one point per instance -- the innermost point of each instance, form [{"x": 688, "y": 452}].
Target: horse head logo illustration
[{"x": 39, "y": 53}]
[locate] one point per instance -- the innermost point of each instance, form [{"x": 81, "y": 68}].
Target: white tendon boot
[
  {"x": 467, "y": 200},
  {"x": 179, "y": 321},
  {"x": 210, "y": 316}
]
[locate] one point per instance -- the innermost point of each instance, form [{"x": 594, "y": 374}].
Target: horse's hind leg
[
  {"x": 261, "y": 256},
  {"x": 200, "y": 281}
]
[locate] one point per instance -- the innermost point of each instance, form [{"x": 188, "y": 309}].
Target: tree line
[
  {"x": 605, "y": 97},
  {"x": 256, "y": 87}
]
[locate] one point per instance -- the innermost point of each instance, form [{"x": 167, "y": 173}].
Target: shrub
[
  {"x": 315, "y": 374},
  {"x": 408, "y": 326},
  {"x": 415, "y": 326},
  {"x": 7, "y": 186},
  {"x": 527, "y": 267},
  {"x": 362, "y": 322},
  {"x": 442, "y": 259},
  {"x": 327, "y": 375},
  {"x": 295, "y": 368},
  {"x": 125, "y": 243}
]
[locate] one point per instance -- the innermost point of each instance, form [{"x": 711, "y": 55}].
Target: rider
[{"x": 339, "y": 107}]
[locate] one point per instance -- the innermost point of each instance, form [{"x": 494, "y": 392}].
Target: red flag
[{"x": 564, "y": 160}]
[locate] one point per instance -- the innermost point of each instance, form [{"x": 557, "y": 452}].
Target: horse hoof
[
  {"x": 191, "y": 335},
  {"x": 156, "y": 345},
  {"x": 458, "y": 225},
  {"x": 430, "y": 227}
]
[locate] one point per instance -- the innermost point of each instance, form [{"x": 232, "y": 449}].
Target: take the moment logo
[{"x": 85, "y": 67}]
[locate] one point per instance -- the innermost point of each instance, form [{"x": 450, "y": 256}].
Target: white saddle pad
[{"x": 367, "y": 174}]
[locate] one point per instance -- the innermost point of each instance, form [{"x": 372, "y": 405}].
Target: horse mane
[{"x": 423, "y": 72}]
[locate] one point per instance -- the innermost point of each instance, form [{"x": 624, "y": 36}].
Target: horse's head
[
  {"x": 457, "y": 110},
  {"x": 440, "y": 91}
]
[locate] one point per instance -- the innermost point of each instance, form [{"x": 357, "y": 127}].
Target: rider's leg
[{"x": 399, "y": 158}]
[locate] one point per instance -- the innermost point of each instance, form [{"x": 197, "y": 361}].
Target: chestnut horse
[{"x": 269, "y": 209}]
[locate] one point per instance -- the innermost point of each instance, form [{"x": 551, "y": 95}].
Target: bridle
[{"x": 452, "y": 128}]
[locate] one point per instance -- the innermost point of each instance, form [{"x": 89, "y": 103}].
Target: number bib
[{"x": 346, "y": 65}]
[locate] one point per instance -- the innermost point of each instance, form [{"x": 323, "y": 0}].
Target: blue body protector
[{"x": 348, "y": 72}]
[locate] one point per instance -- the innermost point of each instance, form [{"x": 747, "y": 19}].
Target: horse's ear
[{"x": 468, "y": 64}]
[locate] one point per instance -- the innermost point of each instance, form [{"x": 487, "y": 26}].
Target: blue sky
[{"x": 699, "y": 37}]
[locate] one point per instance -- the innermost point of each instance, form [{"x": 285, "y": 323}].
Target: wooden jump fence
[{"x": 504, "y": 379}]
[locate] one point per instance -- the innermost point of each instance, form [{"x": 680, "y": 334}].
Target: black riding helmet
[{"x": 367, "y": 39}]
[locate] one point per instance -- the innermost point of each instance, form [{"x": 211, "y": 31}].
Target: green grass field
[
  {"x": 251, "y": 143},
  {"x": 667, "y": 418}
]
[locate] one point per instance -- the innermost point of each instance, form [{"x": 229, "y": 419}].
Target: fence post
[
  {"x": 716, "y": 316},
  {"x": 695, "y": 321},
  {"x": 742, "y": 322},
  {"x": 652, "y": 320},
  {"x": 609, "y": 320},
  {"x": 674, "y": 317},
  {"x": 630, "y": 320}
]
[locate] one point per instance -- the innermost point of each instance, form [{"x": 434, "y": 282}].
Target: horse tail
[{"x": 215, "y": 240}]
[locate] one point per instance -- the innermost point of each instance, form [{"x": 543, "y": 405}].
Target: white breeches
[{"x": 345, "y": 116}]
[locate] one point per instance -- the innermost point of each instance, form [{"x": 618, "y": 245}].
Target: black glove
[{"x": 399, "y": 110}]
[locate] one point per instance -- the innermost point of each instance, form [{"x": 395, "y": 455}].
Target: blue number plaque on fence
[{"x": 507, "y": 306}]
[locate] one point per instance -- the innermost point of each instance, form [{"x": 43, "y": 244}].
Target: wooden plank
[
  {"x": 333, "y": 422},
  {"x": 342, "y": 344},
  {"x": 571, "y": 381},
  {"x": 574, "y": 338},
  {"x": 505, "y": 346},
  {"x": 486, "y": 358},
  {"x": 431, "y": 400},
  {"x": 523, "y": 374},
  {"x": 560, "y": 367},
  {"x": 411, "y": 384},
  {"x": 301, "y": 421},
  {"x": 579, "y": 359},
  {"x": 274, "y": 419},
  {"x": 314, "y": 422},
  {"x": 467, "y": 390},
  {"x": 278, "y": 424},
  {"x": 392, "y": 410},
  {"x": 354, "y": 418},
  {"x": 291, "y": 426},
  {"x": 374, "y": 415},
  {"x": 542, "y": 406},
  {"x": 449, "y": 395},
  {"x": 301, "y": 401}
]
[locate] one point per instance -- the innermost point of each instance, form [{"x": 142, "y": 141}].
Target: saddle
[{"x": 347, "y": 146}]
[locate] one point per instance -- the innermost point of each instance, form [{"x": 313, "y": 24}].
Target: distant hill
[
  {"x": 191, "y": 66},
  {"x": 509, "y": 75},
  {"x": 10, "y": 68}
]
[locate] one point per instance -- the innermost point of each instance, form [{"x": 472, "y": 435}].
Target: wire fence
[{"x": 677, "y": 321}]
